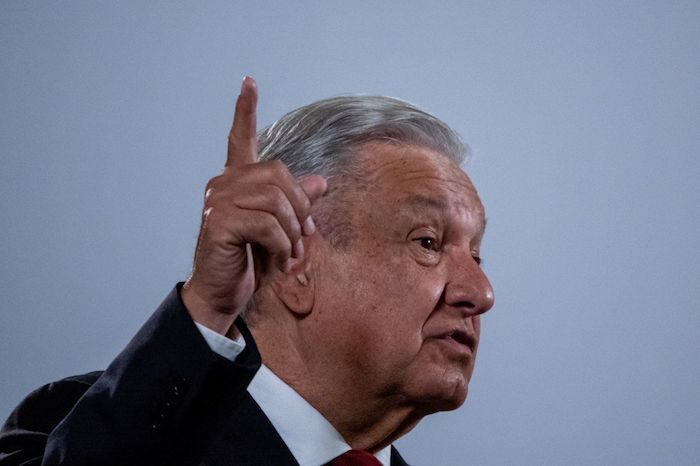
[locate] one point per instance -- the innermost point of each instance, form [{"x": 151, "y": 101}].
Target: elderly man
[{"x": 340, "y": 248}]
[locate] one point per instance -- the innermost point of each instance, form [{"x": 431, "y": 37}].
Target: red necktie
[{"x": 356, "y": 458}]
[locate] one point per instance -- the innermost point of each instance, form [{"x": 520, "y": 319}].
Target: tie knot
[{"x": 356, "y": 458}]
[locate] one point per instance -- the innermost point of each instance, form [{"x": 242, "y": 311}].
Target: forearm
[{"x": 166, "y": 386}]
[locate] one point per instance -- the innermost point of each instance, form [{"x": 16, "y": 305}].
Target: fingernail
[
  {"x": 245, "y": 78},
  {"x": 309, "y": 227},
  {"x": 298, "y": 249},
  {"x": 302, "y": 279}
]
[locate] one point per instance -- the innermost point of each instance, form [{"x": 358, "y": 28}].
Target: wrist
[{"x": 202, "y": 312}]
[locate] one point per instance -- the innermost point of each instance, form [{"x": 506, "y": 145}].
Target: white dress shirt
[{"x": 309, "y": 436}]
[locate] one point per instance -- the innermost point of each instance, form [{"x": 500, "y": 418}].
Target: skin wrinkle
[
  {"x": 333, "y": 208},
  {"x": 378, "y": 309},
  {"x": 332, "y": 218},
  {"x": 422, "y": 203}
]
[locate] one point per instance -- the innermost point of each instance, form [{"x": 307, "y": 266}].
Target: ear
[{"x": 296, "y": 288}]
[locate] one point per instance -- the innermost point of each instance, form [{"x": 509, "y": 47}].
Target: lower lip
[{"x": 455, "y": 346}]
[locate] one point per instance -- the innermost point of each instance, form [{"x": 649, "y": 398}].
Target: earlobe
[{"x": 296, "y": 288}]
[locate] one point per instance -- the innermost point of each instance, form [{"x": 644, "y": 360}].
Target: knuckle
[
  {"x": 305, "y": 203},
  {"x": 259, "y": 225},
  {"x": 269, "y": 225},
  {"x": 294, "y": 229},
  {"x": 284, "y": 248},
  {"x": 208, "y": 187},
  {"x": 221, "y": 226},
  {"x": 270, "y": 232},
  {"x": 276, "y": 168},
  {"x": 278, "y": 165},
  {"x": 212, "y": 217},
  {"x": 276, "y": 196},
  {"x": 212, "y": 197},
  {"x": 213, "y": 183},
  {"x": 284, "y": 211}
]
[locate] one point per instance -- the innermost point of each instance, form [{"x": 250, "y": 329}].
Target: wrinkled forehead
[{"x": 419, "y": 176}]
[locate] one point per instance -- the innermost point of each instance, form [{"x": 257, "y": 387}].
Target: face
[{"x": 402, "y": 301}]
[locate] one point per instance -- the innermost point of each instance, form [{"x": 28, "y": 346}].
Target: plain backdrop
[{"x": 584, "y": 122}]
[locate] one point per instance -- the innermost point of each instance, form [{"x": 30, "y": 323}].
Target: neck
[{"x": 366, "y": 420}]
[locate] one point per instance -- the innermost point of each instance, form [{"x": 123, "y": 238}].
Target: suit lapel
[
  {"x": 396, "y": 459},
  {"x": 249, "y": 439}
]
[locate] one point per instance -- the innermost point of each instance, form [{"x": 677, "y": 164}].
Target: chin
[
  {"x": 446, "y": 395},
  {"x": 455, "y": 399}
]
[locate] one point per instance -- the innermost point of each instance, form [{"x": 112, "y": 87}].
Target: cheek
[
  {"x": 391, "y": 296},
  {"x": 401, "y": 304},
  {"x": 403, "y": 282}
]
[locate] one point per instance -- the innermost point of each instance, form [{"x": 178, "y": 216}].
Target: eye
[
  {"x": 427, "y": 242},
  {"x": 477, "y": 259}
]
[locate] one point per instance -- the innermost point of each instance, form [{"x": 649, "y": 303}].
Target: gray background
[{"x": 584, "y": 122}]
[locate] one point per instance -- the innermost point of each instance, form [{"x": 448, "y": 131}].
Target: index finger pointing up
[{"x": 242, "y": 140}]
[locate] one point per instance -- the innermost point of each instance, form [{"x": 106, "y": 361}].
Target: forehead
[{"x": 420, "y": 177}]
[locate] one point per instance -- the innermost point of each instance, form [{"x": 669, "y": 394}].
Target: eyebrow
[
  {"x": 419, "y": 200},
  {"x": 434, "y": 203}
]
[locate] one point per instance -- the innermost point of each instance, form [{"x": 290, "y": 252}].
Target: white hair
[{"x": 324, "y": 137}]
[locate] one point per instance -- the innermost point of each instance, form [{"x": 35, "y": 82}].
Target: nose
[{"x": 467, "y": 286}]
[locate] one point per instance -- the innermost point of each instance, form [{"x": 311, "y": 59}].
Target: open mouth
[
  {"x": 460, "y": 337},
  {"x": 459, "y": 340}
]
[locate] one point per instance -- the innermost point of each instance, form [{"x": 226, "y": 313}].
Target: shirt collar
[{"x": 297, "y": 422}]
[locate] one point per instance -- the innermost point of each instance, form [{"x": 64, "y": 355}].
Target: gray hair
[{"x": 323, "y": 137}]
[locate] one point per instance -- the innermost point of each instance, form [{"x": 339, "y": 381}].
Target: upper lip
[{"x": 460, "y": 335}]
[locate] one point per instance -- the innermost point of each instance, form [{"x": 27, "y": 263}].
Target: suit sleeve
[
  {"x": 161, "y": 401},
  {"x": 23, "y": 437}
]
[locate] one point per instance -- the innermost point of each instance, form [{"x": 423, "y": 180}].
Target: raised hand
[{"x": 254, "y": 213}]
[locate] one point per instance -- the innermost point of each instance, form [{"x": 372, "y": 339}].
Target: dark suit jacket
[{"x": 166, "y": 399}]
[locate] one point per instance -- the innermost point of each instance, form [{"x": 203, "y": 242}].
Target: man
[{"x": 344, "y": 252}]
